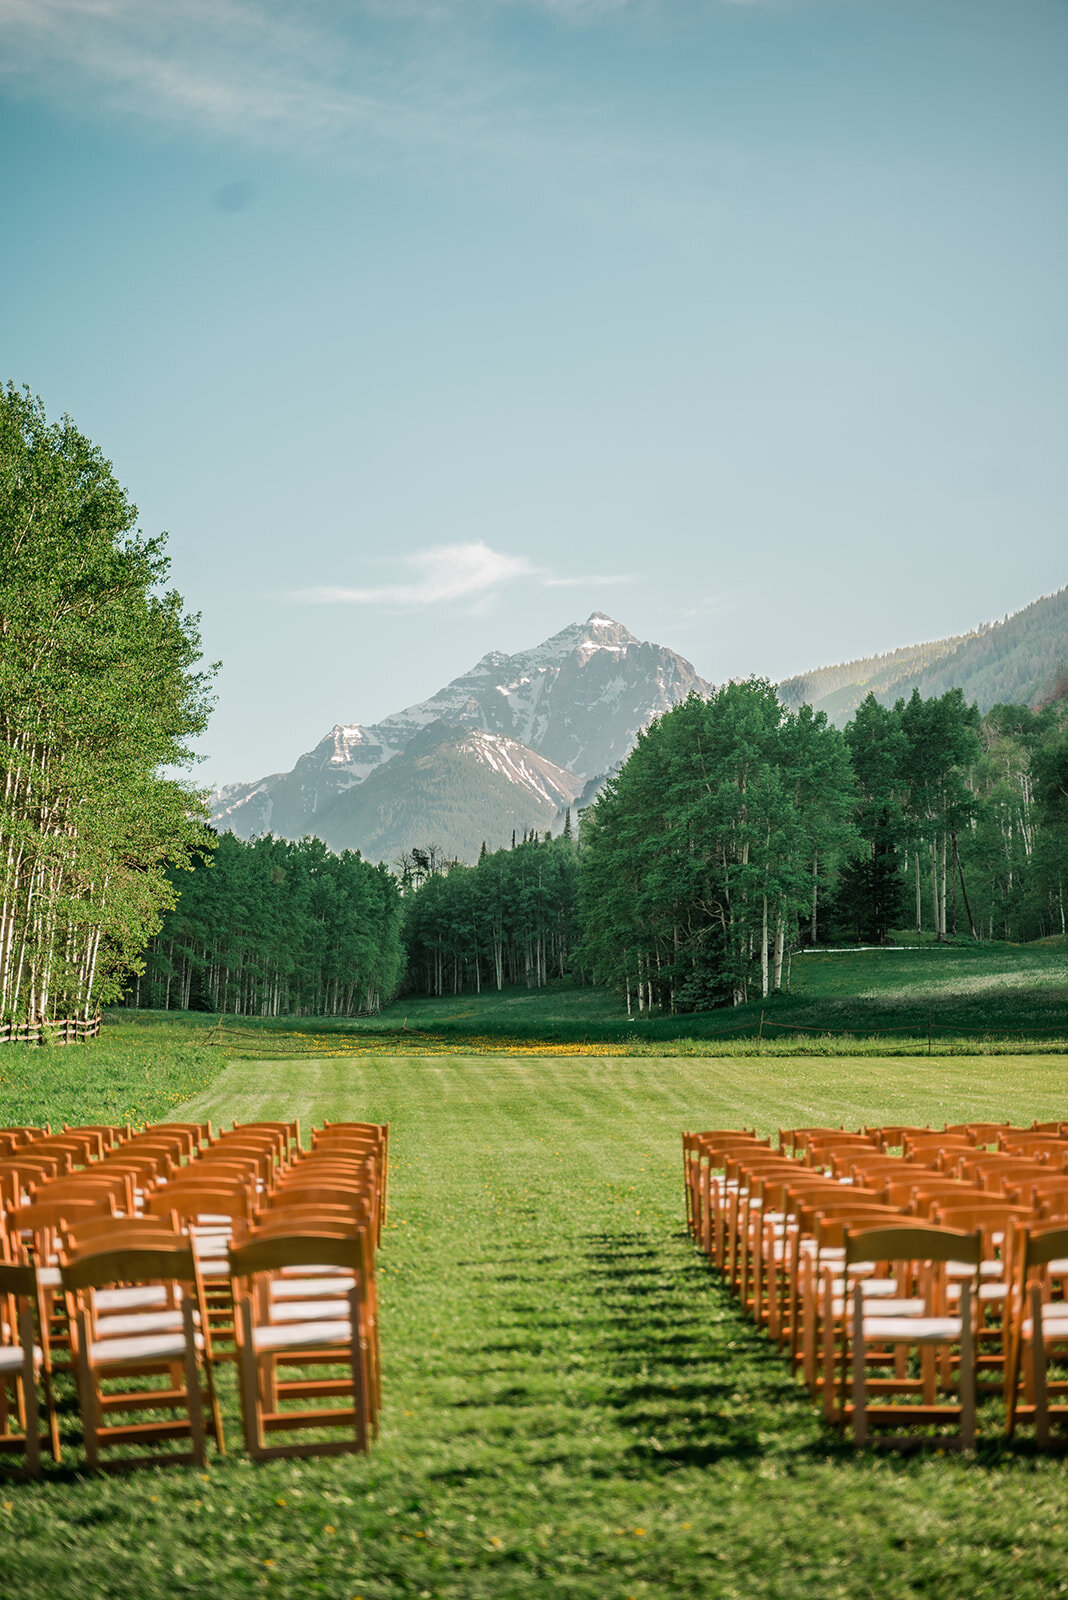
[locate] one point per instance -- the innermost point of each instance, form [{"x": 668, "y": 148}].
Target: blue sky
[{"x": 426, "y": 328}]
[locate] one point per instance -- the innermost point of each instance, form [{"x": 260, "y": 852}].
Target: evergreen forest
[{"x": 273, "y": 928}]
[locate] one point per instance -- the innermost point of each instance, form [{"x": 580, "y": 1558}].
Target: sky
[{"x": 427, "y": 327}]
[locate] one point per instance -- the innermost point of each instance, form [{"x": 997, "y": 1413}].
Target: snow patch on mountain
[{"x": 577, "y": 701}]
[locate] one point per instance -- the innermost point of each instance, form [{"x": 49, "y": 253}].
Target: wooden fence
[{"x": 66, "y": 1030}]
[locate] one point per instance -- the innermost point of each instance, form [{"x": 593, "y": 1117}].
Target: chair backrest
[
  {"x": 1040, "y": 1244},
  {"x": 891, "y": 1134},
  {"x": 94, "y": 1233},
  {"x": 46, "y": 1215},
  {"x": 109, "y": 1133},
  {"x": 899, "y": 1242},
  {"x": 988, "y": 1220},
  {"x": 155, "y": 1263},
  {"x": 317, "y": 1219},
  {"x": 20, "y": 1281},
  {"x": 329, "y": 1247},
  {"x": 189, "y": 1201}
]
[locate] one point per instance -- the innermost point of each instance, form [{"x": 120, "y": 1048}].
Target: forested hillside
[
  {"x": 738, "y": 830},
  {"x": 1014, "y": 662}
]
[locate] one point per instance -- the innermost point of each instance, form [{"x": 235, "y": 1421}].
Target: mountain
[
  {"x": 1013, "y": 662},
  {"x": 561, "y": 713},
  {"x": 451, "y": 785}
]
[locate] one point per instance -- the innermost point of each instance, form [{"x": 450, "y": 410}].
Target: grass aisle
[{"x": 572, "y": 1406}]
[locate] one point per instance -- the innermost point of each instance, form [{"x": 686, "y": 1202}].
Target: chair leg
[
  {"x": 1012, "y": 1381},
  {"x": 830, "y": 1372},
  {"x": 966, "y": 1380},
  {"x": 860, "y": 1375},
  {"x": 1038, "y": 1369},
  {"x": 29, "y": 1396},
  {"x": 248, "y": 1380},
  {"x": 194, "y": 1401},
  {"x": 359, "y": 1357},
  {"x": 87, "y": 1396}
]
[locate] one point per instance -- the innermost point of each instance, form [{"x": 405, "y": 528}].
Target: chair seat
[
  {"x": 210, "y": 1246},
  {"x": 913, "y": 1330},
  {"x": 870, "y": 1288},
  {"x": 130, "y": 1352},
  {"x": 296, "y": 1288},
  {"x": 1054, "y": 1322},
  {"x": 956, "y": 1270},
  {"x": 310, "y": 1310},
  {"x": 48, "y": 1277},
  {"x": 12, "y": 1357},
  {"x": 139, "y": 1322},
  {"x": 143, "y": 1297},
  {"x": 988, "y": 1292},
  {"x": 311, "y": 1272},
  {"x": 300, "y": 1335},
  {"x": 214, "y": 1266},
  {"x": 890, "y": 1308}
]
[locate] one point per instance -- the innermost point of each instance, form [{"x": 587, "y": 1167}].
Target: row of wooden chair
[
  {"x": 777, "y": 1223},
  {"x": 238, "y": 1246}
]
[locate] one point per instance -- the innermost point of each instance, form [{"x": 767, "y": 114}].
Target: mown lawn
[{"x": 574, "y": 1408}]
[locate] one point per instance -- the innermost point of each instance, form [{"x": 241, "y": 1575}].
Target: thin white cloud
[
  {"x": 447, "y": 574},
  {"x": 371, "y": 78},
  {"x": 463, "y": 575}
]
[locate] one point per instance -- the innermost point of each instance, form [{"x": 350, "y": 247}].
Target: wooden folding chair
[
  {"x": 105, "y": 1351},
  {"x": 271, "y": 1338},
  {"x": 1038, "y": 1325},
  {"x": 216, "y": 1216},
  {"x": 916, "y": 1257},
  {"x": 21, "y": 1359}
]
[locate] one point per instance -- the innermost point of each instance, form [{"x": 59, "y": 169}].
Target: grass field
[
  {"x": 573, "y": 1406},
  {"x": 975, "y": 1000}
]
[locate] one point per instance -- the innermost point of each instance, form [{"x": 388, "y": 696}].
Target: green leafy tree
[{"x": 99, "y": 694}]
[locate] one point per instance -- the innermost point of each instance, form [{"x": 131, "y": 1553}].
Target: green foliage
[
  {"x": 509, "y": 919},
  {"x": 98, "y": 695},
  {"x": 699, "y": 857},
  {"x": 272, "y": 926}
]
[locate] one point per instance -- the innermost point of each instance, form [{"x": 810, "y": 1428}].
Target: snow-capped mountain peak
[{"x": 577, "y": 702}]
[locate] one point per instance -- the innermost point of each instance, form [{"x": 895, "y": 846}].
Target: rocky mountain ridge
[{"x": 546, "y": 721}]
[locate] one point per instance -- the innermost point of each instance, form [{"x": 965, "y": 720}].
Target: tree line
[
  {"x": 510, "y": 919},
  {"x": 738, "y": 830},
  {"x": 99, "y": 693},
  {"x": 273, "y": 928}
]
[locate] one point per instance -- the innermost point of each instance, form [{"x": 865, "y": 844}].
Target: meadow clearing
[{"x": 573, "y": 1405}]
